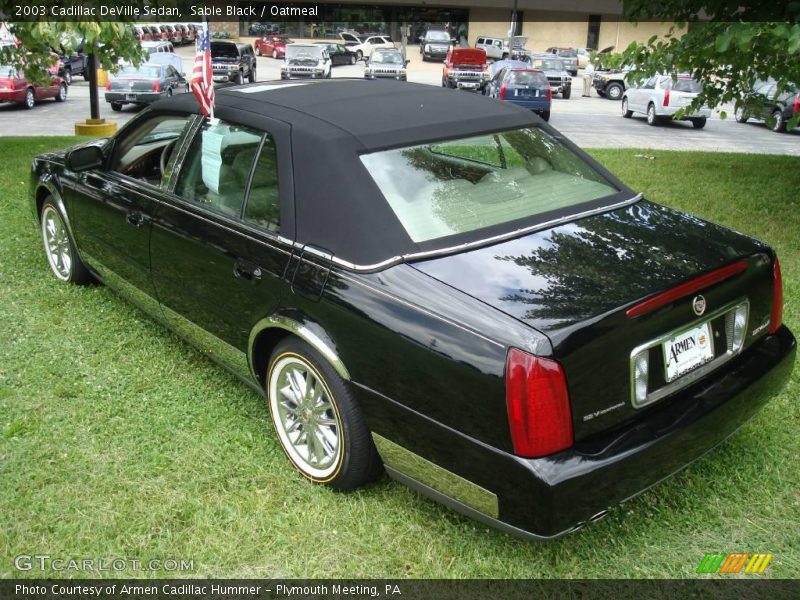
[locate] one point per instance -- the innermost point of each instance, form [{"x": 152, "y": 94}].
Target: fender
[{"x": 309, "y": 331}]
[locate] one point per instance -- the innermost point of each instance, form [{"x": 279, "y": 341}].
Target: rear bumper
[
  {"x": 547, "y": 497},
  {"x": 669, "y": 111},
  {"x": 139, "y": 97},
  {"x": 538, "y": 104},
  {"x": 15, "y": 96}
]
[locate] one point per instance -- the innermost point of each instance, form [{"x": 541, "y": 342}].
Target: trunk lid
[{"x": 575, "y": 283}]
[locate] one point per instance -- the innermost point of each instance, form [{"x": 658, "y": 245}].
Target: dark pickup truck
[{"x": 233, "y": 62}]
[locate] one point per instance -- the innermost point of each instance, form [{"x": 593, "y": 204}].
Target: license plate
[
  {"x": 130, "y": 97},
  {"x": 220, "y": 78},
  {"x": 526, "y": 93},
  {"x": 687, "y": 351},
  {"x": 468, "y": 85}
]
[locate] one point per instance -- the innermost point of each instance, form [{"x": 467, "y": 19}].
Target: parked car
[
  {"x": 73, "y": 61},
  {"x": 465, "y": 69},
  {"x": 233, "y": 62},
  {"x": 660, "y": 98},
  {"x": 363, "y": 47},
  {"x": 153, "y": 47},
  {"x": 339, "y": 54},
  {"x": 556, "y": 342},
  {"x": 16, "y": 89},
  {"x": 156, "y": 34},
  {"x": 496, "y": 48},
  {"x": 610, "y": 84},
  {"x": 556, "y": 73},
  {"x": 435, "y": 44},
  {"x": 272, "y": 45},
  {"x": 527, "y": 88},
  {"x": 306, "y": 61},
  {"x": 495, "y": 67},
  {"x": 143, "y": 85},
  {"x": 764, "y": 103},
  {"x": 569, "y": 56},
  {"x": 142, "y": 33},
  {"x": 186, "y": 36},
  {"x": 385, "y": 63}
]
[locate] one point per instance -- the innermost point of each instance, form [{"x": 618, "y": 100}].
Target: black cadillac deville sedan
[{"x": 457, "y": 295}]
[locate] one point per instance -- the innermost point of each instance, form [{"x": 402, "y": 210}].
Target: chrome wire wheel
[
  {"x": 56, "y": 243},
  {"x": 306, "y": 417}
]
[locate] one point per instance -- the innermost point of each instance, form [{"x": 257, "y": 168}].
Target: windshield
[
  {"x": 459, "y": 186},
  {"x": 437, "y": 36},
  {"x": 527, "y": 78},
  {"x": 388, "y": 58},
  {"x": 303, "y": 53},
  {"x": 224, "y": 51},
  {"x": 143, "y": 71},
  {"x": 548, "y": 64},
  {"x": 684, "y": 85}
]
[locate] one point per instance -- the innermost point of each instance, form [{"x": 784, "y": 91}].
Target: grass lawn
[{"x": 118, "y": 440}]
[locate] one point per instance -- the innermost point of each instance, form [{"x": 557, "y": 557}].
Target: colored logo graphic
[{"x": 738, "y": 562}]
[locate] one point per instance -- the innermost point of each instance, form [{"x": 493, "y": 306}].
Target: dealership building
[{"x": 575, "y": 23}]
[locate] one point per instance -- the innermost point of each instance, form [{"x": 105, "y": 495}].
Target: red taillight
[
  {"x": 156, "y": 87},
  {"x": 537, "y": 401},
  {"x": 503, "y": 92},
  {"x": 108, "y": 84},
  {"x": 776, "y": 319},
  {"x": 796, "y": 107},
  {"x": 549, "y": 94},
  {"x": 666, "y": 98}
]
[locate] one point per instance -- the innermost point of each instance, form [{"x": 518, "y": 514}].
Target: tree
[
  {"x": 105, "y": 42},
  {"x": 725, "y": 45}
]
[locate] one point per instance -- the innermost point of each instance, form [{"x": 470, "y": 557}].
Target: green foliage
[
  {"x": 743, "y": 42},
  {"x": 119, "y": 440}
]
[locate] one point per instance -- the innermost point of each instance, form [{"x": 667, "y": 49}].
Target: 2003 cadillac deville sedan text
[{"x": 457, "y": 295}]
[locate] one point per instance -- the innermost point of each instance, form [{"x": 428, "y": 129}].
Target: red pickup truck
[{"x": 465, "y": 68}]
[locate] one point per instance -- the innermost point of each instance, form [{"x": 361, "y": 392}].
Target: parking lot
[{"x": 591, "y": 122}]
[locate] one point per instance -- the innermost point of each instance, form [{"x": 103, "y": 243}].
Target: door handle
[
  {"x": 136, "y": 218},
  {"x": 243, "y": 269}
]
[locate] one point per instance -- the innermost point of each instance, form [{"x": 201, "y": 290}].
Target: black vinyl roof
[{"x": 337, "y": 205}]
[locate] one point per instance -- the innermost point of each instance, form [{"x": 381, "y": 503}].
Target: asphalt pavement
[{"x": 589, "y": 122}]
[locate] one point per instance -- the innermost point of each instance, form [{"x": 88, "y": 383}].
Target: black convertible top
[{"x": 338, "y": 207}]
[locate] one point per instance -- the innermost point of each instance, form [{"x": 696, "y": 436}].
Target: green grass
[{"x": 117, "y": 439}]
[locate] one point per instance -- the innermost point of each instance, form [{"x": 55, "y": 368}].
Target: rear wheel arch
[{"x": 272, "y": 330}]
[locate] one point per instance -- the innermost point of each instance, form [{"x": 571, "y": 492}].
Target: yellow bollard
[{"x": 102, "y": 77}]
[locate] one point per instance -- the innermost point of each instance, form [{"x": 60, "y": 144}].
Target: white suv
[
  {"x": 496, "y": 48},
  {"x": 660, "y": 97}
]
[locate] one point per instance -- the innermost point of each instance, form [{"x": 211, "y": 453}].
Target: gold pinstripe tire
[{"x": 317, "y": 420}]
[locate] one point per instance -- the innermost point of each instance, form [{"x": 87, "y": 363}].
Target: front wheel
[
  {"x": 68, "y": 76},
  {"x": 319, "y": 424},
  {"x": 258, "y": 50},
  {"x": 59, "y": 249},
  {"x": 359, "y": 55},
  {"x": 699, "y": 123},
  {"x": 614, "y": 91},
  {"x": 239, "y": 78},
  {"x": 275, "y": 54},
  {"x": 566, "y": 93},
  {"x": 741, "y": 115},
  {"x": 251, "y": 77},
  {"x": 545, "y": 114},
  {"x": 352, "y": 59},
  {"x": 626, "y": 113}
]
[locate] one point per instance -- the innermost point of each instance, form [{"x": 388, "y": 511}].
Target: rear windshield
[
  {"x": 451, "y": 187},
  {"x": 143, "y": 71},
  {"x": 530, "y": 78},
  {"x": 684, "y": 85}
]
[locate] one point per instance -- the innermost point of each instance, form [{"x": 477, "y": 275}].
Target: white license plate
[
  {"x": 468, "y": 85},
  {"x": 687, "y": 351},
  {"x": 220, "y": 78},
  {"x": 130, "y": 97}
]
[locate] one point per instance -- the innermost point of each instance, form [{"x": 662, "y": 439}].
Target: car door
[
  {"x": 111, "y": 207},
  {"x": 220, "y": 242}
]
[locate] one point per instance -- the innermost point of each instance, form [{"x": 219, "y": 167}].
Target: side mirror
[{"x": 84, "y": 159}]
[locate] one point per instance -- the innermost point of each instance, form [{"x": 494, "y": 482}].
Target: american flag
[{"x": 202, "y": 83}]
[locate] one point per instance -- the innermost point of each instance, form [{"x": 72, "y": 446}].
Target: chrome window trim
[
  {"x": 460, "y": 247},
  {"x": 699, "y": 372}
]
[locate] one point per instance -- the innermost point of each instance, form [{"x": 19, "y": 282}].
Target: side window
[
  {"x": 171, "y": 72},
  {"x": 263, "y": 203},
  {"x": 480, "y": 41},
  {"x": 217, "y": 167},
  {"x": 145, "y": 152},
  {"x": 650, "y": 83}
]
